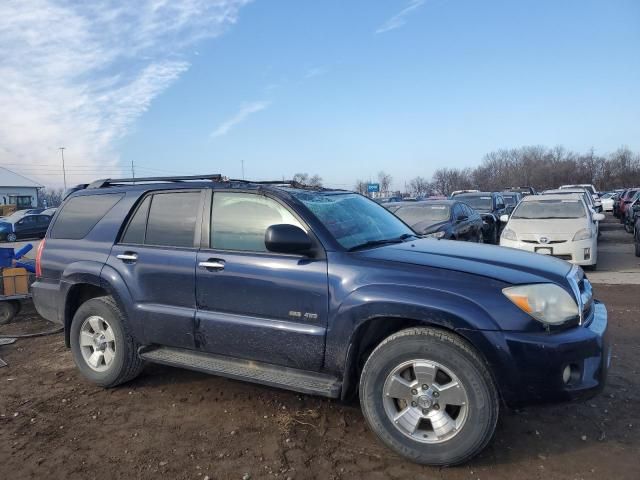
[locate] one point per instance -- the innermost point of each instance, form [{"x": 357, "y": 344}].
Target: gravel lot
[{"x": 178, "y": 424}]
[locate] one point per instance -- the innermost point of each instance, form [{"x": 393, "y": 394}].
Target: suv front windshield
[
  {"x": 477, "y": 202},
  {"x": 353, "y": 220},
  {"x": 550, "y": 209}
]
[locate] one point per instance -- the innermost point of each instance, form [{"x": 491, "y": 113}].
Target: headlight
[
  {"x": 546, "y": 302},
  {"x": 435, "y": 234},
  {"x": 582, "y": 234},
  {"x": 509, "y": 234}
]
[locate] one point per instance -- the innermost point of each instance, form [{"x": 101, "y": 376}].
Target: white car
[
  {"x": 559, "y": 225},
  {"x": 607, "y": 202},
  {"x": 591, "y": 190}
]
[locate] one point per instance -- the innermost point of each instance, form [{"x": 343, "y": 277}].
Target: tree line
[{"x": 537, "y": 166}]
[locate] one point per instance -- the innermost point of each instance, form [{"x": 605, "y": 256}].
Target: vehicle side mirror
[
  {"x": 504, "y": 218},
  {"x": 598, "y": 217},
  {"x": 285, "y": 238}
]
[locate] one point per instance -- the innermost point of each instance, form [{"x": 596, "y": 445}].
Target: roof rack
[{"x": 106, "y": 182}]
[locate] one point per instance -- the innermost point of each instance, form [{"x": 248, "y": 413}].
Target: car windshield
[
  {"x": 477, "y": 202},
  {"x": 510, "y": 199},
  {"x": 413, "y": 214},
  {"x": 541, "y": 209},
  {"x": 15, "y": 216},
  {"x": 353, "y": 220}
]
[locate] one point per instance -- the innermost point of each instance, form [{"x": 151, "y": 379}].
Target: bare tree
[
  {"x": 315, "y": 181},
  {"x": 360, "y": 187},
  {"x": 419, "y": 186},
  {"x": 50, "y": 197},
  {"x": 384, "y": 179},
  {"x": 302, "y": 178}
]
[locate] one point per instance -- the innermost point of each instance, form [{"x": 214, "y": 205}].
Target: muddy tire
[
  {"x": 8, "y": 311},
  {"x": 429, "y": 396},
  {"x": 102, "y": 346}
]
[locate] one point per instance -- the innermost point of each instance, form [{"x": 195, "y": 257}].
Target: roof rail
[
  {"x": 292, "y": 183},
  {"x": 106, "y": 182}
]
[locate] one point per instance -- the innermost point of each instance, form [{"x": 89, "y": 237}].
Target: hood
[
  {"x": 561, "y": 226},
  {"x": 501, "y": 263},
  {"x": 429, "y": 226}
]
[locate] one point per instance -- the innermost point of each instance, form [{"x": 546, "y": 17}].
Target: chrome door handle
[
  {"x": 212, "y": 265},
  {"x": 128, "y": 257}
]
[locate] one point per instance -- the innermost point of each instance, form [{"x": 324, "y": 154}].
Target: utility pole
[
  {"x": 64, "y": 172},
  {"x": 133, "y": 172},
  {"x": 242, "y": 164}
]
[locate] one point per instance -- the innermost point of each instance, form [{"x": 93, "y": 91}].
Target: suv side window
[
  {"x": 499, "y": 202},
  {"x": 138, "y": 224},
  {"x": 172, "y": 219},
  {"x": 239, "y": 220},
  {"x": 80, "y": 214}
]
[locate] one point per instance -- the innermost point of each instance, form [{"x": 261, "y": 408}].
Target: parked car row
[
  {"x": 563, "y": 222},
  {"x": 23, "y": 224}
]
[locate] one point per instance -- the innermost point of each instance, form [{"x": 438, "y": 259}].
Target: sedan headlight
[
  {"x": 439, "y": 234},
  {"x": 509, "y": 234},
  {"x": 582, "y": 234},
  {"x": 546, "y": 302}
]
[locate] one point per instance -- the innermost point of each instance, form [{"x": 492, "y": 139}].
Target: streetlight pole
[{"x": 64, "y": 172}]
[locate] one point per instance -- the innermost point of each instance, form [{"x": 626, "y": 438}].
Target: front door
[
  {"x": 254, "y": 304},
  {"x": 156, "y": 257}
]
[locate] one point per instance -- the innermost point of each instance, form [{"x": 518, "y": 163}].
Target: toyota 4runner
[{"x": 322, "y": 292}]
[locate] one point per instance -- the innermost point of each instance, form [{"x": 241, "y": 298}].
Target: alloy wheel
[{"x": 425, "y": 401}]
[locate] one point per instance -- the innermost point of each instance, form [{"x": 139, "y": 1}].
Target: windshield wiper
[{"x": 384, "y": 241}]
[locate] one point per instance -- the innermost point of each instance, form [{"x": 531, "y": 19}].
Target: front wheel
[
  {"x": 429, "y": 397},
  {"x": 11, "y": 237},
  {"x": 103, "y": 349}
]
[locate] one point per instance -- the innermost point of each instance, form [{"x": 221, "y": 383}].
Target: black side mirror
[{"x": 285, "y": 238}]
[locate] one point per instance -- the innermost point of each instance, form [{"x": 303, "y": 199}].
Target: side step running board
[{"x": 267, "y": 374}]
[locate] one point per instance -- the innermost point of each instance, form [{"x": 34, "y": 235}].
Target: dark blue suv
[{"x": 323, "y": 292}]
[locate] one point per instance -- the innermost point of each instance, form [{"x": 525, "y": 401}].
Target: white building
[{"x": 18, "y": 190}]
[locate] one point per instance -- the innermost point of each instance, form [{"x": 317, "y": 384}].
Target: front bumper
[
  {"x": 570, "y": 251},
  {"x": 538, "y": 362}
]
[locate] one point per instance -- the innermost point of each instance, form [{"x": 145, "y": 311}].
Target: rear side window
[
  {"x": 138, "y": 224},
  {"x": 172, "y": 219},
  {"x": 80, "y": 214}
]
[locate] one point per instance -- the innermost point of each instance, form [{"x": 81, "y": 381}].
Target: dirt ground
[{"x": 180, "y": 424}]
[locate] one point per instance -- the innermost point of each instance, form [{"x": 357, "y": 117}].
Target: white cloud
[
  {"x": 79, "y": 74},
  {"x": 245, "y": 110},
  {"x": 400, "y": 18}
]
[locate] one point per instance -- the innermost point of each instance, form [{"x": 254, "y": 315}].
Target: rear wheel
[
  {"x": 429, "y": 397},
  {"x": 102, "y": 346},
  {"x": 8, "y": 311}
]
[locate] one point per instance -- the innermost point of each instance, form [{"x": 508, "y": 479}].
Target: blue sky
[{"x": 339, "y": 88}]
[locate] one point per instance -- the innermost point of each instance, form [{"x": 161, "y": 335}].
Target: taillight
[{"x": 39, "y": 258}]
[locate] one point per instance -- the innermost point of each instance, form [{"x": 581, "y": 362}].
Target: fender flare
[{"x": 426, "y": 305}]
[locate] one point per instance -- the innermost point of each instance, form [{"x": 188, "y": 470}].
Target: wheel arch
[{"x": 370, "y": 333}]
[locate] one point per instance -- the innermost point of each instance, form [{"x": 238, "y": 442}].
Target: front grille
[
  {"x": 550, "y": 242},
  {"x": 564, "y": 257}
]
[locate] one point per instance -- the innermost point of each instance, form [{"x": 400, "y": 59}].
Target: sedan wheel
[{"x": 11, "y": 237}]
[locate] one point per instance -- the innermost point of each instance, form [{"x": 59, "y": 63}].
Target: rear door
[
  {"x": 156, "y": 257},
  {"x": 252, "y": 303}
]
